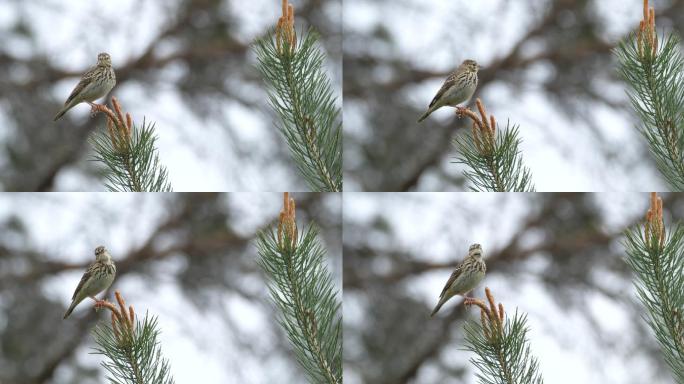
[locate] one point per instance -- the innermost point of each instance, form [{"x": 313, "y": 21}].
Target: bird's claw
[
  {"x": 100, "y": 303},
  {"x": 94, "y": 108},
  {"x": 468, "y": 301}
]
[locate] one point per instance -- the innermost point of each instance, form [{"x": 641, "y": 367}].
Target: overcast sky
[
  {"x": 200, "y": 344},
  {"x": 439, "y": 227},
  {"x": 230, "y": 149},
  {"x": 563, "y": 154}
]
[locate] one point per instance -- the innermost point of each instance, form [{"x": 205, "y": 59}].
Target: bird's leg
[
  {"x": 96, "y": 108},
  {"x": 99, "y": 303},
  {"x": 460, "y": 111},
  {"x": 467, "y": 301},
  {"x": 102, "y": 302},
  {"x": 96, "y": 302},
  {"x": 93, "y": 109}
]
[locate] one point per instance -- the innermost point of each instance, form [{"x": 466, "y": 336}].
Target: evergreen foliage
[
  {"x": 129, "y": 153},
  {"x": 655, "y": 76},
  {"x": 655, "y": 256},
  {"x": 303, "y": 291},
  {"x": 501, "y": 345},
  {"x": 135, "y": 166},
  {"x": 138, "y": 361},
  {"x": 301, "y": 94},
  {"x": 131, "y": 347},
  {"x": 493, "y": 158}
]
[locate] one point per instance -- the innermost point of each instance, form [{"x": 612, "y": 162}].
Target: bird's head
[
  {"x": 101, "y": 253},
  {"x": 475, "y": 250},
  {"x": 103, "y": 60},
  {"x": 471, "y": 65}
]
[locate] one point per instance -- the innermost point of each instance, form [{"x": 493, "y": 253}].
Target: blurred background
[
  {"x": 185, "y": 65},
  {"x": 189, "y": 259},
  {"x": 556, "y": 257},
  {"x": 546, "y": 66}
]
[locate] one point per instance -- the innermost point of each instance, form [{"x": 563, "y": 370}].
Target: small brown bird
[
  {"x": 465, "y": 277},
  {"x": 94, "y": 84},
  {"x": 98, "y": 277},
  {"x": 458, "y": 88}
]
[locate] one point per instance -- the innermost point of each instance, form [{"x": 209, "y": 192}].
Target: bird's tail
[
  {"x": 433, "y": 107},
  {"x": 425, "y": 116},
  {"x": 60, "y": 114},
  {"x": 439, "y": 305},
  {"x": 71, "y": 308}
]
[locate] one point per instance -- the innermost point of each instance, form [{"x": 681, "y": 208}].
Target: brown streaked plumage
[
  {"x": 94, "y": 84},
  {"x": 464, "y": 278},
  {"x": 98, "y": 277},
  {"x": 458, "y": 88}
]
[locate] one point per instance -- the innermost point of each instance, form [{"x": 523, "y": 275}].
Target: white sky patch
[
  {"x": 196, "y": 341},
  {"x": 198, "y": 151},
  {"x": 567, "y": 357},
  {"x": 562, "y": 154}
]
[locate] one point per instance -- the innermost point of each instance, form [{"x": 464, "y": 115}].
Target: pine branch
[
  {"x": 302, "y": 289},
  {"x": 655, "y": 256},
  {"x": 503, "y": 352},
  {"x": 129, "y": 154},
  {"x": 493, "y": 158},
  {"x": 655, "y": 75},
  {"x": 301, "y": 94},
  {"x": 132, "y": 348}
]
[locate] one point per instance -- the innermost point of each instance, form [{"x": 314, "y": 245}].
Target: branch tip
[
  {"x": 645, "y": 9},
  {"x": 646, "y": 34},
  {"x": 287, "y": 224},
  {"x": 484, "y": 128},
  {"x": 654, "y": 226},
  {"x": 491, "y": 317},
  {"x": 286, "y": 35}
]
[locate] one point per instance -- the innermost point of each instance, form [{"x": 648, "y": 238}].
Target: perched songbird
[
  {"x": 458, "y": 88},
  {"x": 98, "y": 277},
  {"x": 466, "y": 276},
  {"x": 94, "y": 84}
]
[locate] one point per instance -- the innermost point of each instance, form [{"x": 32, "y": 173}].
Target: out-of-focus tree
[
  {"x": 302, "y": 289},
  {"x": 654, "y": 251},
  {"x": 556, "y": 257},
  {"x": 188, "y": 68},
  {"x": 185, "y": 258},
  {"x": 301, "y": 94},
  {"x": 129, "y": 154},
  {"x": 655, "y": 76},
  {"x": 546, "y": 65},
  {"x": 492, "y": 155},
  {"x": 501, "y": 344}
]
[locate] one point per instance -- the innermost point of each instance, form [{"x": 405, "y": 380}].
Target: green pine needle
[
  {"x": 507, "y": 358},
  {"x": 303, "y": 291},
  {"x": 135, "y": 167},
  {"x": 301, "y": 94},
  {"x": 500, "y": 171},
  {"x": 659, "y": 280},
  {"x": 656, "y": 91},
  {"x": 137, "y": 362}
]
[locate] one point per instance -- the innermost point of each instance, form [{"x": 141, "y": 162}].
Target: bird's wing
[
  {"x": 448, "y": 83},
  {"x": 451, "y": 280},
  {"x": 85, "y": 278},
  {"x": 85, "y": 80}
]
